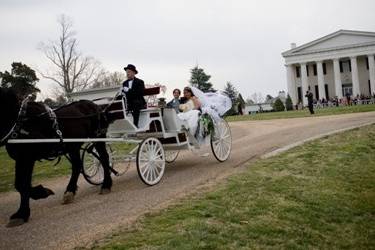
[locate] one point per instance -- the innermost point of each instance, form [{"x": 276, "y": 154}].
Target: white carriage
[{"x": 159, "y": 137}]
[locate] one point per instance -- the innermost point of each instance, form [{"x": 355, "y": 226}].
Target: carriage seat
[
  {"x": 172, "y": 122},
  {"x": 150, "y": 96},
  {"x": 151, "y": 91}
]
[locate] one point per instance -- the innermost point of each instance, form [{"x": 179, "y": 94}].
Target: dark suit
[
  {"x": 310, "y": 102},
  {"x": 134, "y": 97}
]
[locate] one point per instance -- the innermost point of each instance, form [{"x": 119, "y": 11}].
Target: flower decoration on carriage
[
  {"x": 206, "y": 126},
  {"x": 213, "y": 106}
]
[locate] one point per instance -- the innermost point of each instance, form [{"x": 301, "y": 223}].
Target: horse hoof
[
  {"x": 105, "y": 191},
  {"x": 68, "y": 198},
  {"x": 16, "y": 222}
]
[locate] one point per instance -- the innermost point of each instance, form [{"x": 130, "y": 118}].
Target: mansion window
[
  {"x": 345, "y": 66},
  {"x": 324, "y": 69},
  {"x": 326, "y": 90},
  {"x": 299, "y": 92},
  {"x": 298, "y": 71}
]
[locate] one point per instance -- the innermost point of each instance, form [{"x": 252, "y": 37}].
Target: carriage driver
[{"x": 133, "y": 88}]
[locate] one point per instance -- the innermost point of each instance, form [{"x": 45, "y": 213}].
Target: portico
[{"x": 336, "y": 65}]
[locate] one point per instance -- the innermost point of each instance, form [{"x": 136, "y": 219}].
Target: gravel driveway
[{"x": 94, "y": 216}]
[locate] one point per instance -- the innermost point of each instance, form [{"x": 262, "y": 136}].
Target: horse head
[{"x": 9, "y": 106}]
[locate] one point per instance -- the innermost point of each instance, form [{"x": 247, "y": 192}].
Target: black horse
[{"x": 81, "y": 119}]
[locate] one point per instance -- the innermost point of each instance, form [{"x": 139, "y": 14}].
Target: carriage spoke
[
  {"x": 158, "y": 151},
  {"x": 221, "y": 150},
  {"x": 144, "y": 168},
  {"x": 159, "y": 164},
  {"x": 153, "y": 173},
  {"x": 143, "y": 158},
  {"x": 157, "y": 170}
]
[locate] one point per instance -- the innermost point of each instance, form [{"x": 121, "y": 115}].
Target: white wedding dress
[
  {"x": 214, "y": 104},
  {"x": 190, "y": 116}
]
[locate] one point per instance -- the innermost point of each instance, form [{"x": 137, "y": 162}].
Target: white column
[
  {"x": 292, "y": 90},
  {"x": 322, "y": 92},
  {"x": 305, "y": 83},
  {"x": 337, "y": 74},
  {"x": 371, "y": 70},
  {"x": 355, "y": 78}
]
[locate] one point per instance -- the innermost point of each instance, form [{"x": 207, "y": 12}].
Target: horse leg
[
  {"x": 24, "y": 171},
  {"x": 104, "y": 158},
  {"x": 76, "y": 170}
]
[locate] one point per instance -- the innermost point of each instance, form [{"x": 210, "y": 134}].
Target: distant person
[
  {"x": 133, "y": 88},
  {"x": 348, "y": 101},
  {"x": 175, "y": 103},
  {"x": 310, "y": 101}
]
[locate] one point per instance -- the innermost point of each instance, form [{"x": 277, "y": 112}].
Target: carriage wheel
[
  {"x": 171, "y": 155},
  {"x": 92, "y": 170},
  {"x": 221, "y": 141},
  {"x": 150, "y": 161}
]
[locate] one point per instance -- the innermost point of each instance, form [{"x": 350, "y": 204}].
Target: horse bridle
[
  {"x": 22, "y": 111},
  {"x": 13, "y": 132}
]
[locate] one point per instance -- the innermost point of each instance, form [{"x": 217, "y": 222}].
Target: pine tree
[
  {"x": 278, "y": 105},
  {"x": 232, "y": 93},
  {"x": 269, "y": 97},
  {"x": 200, "y": 79},
  {"x": 21, "y": 78},
  {"x": 288, "y": 103}
]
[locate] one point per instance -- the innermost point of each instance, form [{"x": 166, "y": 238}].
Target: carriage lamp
[{"x": 162, "y": 103}]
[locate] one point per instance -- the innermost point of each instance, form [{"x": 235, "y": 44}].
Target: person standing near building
[
  {"x": 310, "y": 101},
  {"x": 348, "y": 99}
]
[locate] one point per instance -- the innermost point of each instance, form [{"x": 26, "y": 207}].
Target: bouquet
[{"x": 207, "y": 125}]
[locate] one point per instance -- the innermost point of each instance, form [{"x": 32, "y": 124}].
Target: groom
[{"x": 133, "y": 89}]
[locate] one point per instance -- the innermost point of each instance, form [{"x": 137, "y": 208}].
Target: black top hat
[{"x": 132, "y": 68}]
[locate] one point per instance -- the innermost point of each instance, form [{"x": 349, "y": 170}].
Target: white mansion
[{"x": 334, "y": 65}]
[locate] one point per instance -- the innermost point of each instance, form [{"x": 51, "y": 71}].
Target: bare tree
[
  {"x": 71, "y": 70},
  {"x": 249, "y": 101},
  {"x": 107, "y": 79},
  {"x": 257, "y": 97}
]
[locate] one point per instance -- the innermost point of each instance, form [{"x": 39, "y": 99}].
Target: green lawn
[
  {"x": 42, "y": 170},
  {"x": 320, "y": 195},
  {"x": 304, "y": 113}
]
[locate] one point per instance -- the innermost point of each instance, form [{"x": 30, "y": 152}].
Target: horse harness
[{"x": 22, "y": 117}]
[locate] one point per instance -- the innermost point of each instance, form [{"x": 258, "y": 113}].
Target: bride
[
  {"x": 190, "y": 110},
  {"x": 214, "y": 104}
]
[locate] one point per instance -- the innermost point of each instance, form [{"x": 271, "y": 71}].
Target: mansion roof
[{"x": 339, "y": 40}]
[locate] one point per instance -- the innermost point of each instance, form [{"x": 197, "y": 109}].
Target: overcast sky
[{"x": 237, "y": 41}]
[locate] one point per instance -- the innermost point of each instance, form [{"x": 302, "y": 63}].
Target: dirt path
[{"x": 93, "y": 216}]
